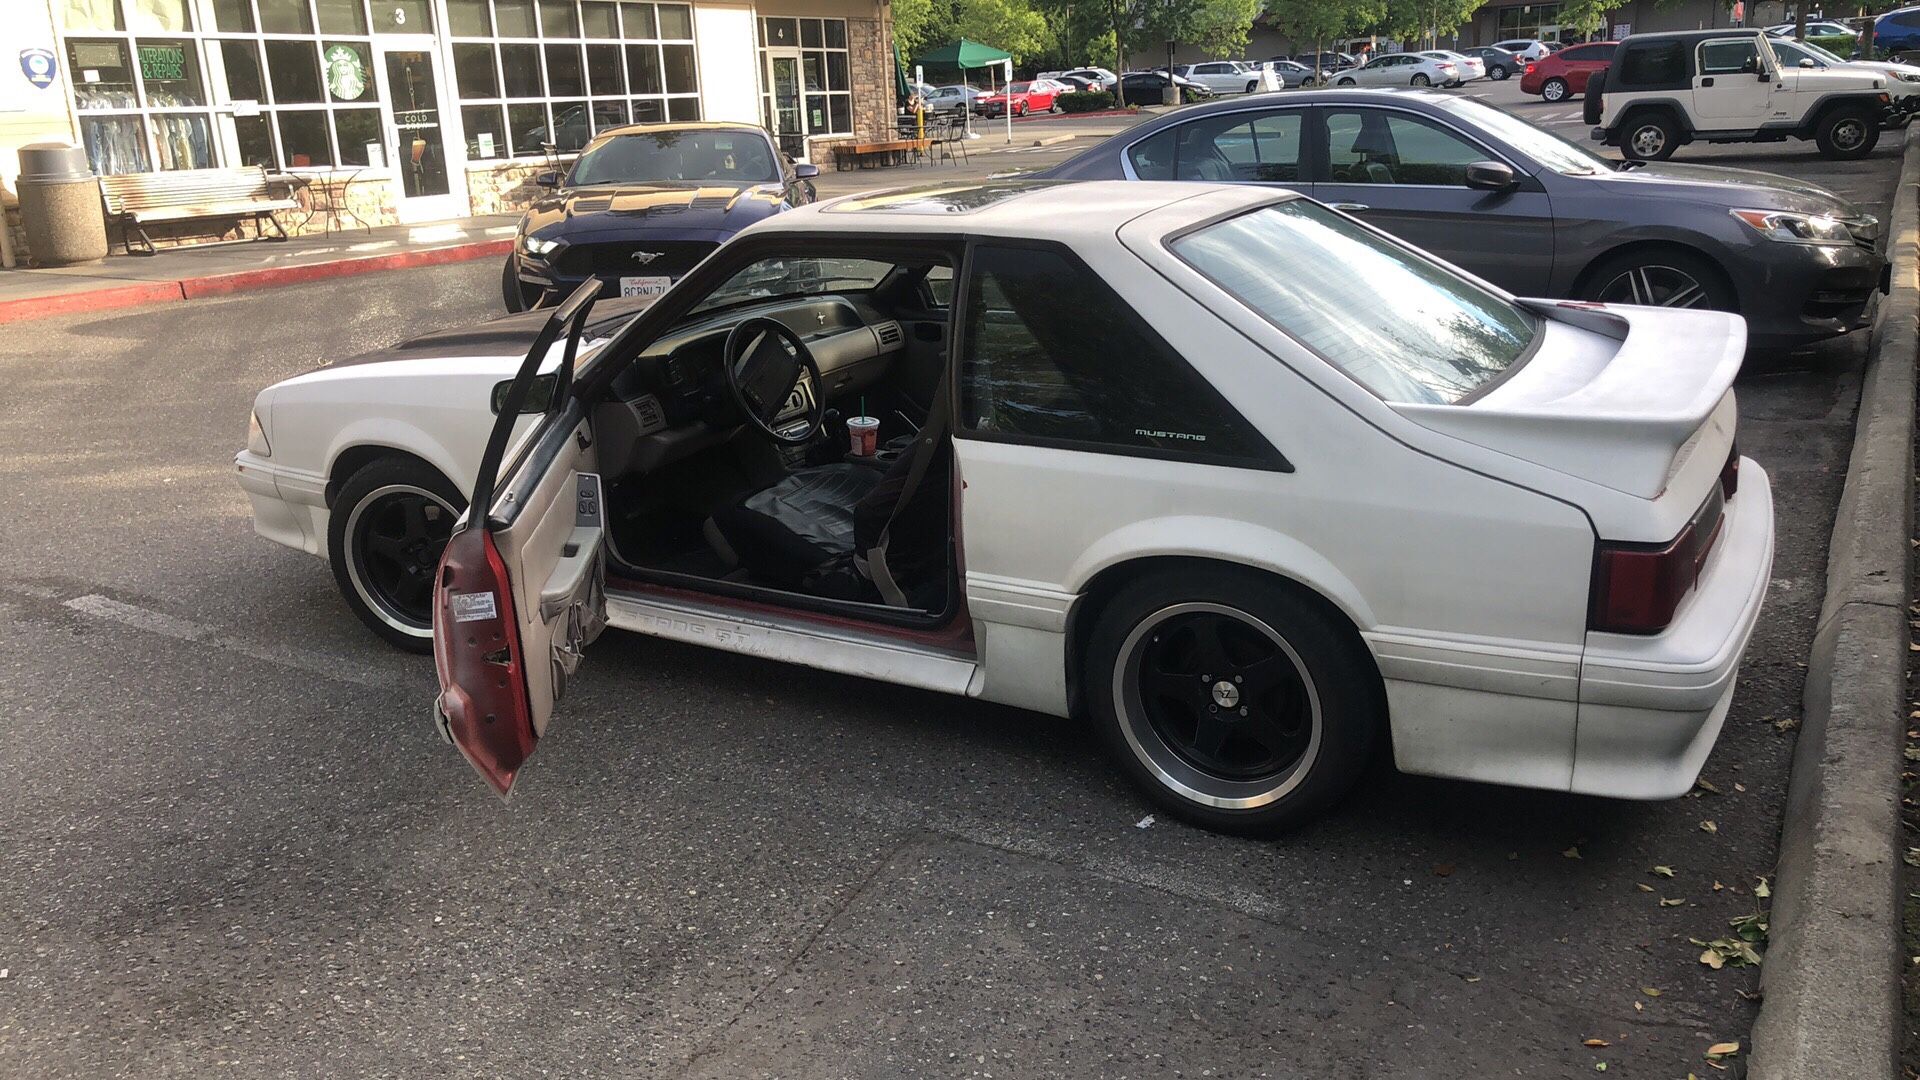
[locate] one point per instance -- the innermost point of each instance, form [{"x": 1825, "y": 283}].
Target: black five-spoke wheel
[
  {"x": 1221, "y": 694},
  {"x": 388, "y": 528},
  {"x": 1237, "y": 701}
]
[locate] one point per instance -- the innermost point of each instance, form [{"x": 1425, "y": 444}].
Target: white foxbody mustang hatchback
[{"x": 1251, "y": 521}]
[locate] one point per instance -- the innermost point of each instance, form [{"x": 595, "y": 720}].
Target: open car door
[{"x": 521, "y": 590}]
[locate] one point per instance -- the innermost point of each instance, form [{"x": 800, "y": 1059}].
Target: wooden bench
[
  {"x": 864, "y": 154},
  {"x": 136, "y": 200}
]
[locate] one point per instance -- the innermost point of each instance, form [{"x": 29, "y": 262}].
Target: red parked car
[
  {"x": 1561, "y": 75},
  {"x": 1035, "y": 96}
]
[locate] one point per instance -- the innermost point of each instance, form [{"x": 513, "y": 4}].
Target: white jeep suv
[{"x": 1665, "y": 90}]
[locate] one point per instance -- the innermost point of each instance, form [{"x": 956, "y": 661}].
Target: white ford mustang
[{"x": 1251, "y": 521}]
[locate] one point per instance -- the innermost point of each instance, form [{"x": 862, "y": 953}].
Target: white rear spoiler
[{"x": 1615, "y": 417}]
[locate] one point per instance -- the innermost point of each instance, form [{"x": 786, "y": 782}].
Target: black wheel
[
  {"x": 1554, "y": 90},
  {"x": 510, "y": 290},
  {"x": 1498, "y": 72},
  {"x": 1345, "y": 82},
  {"x": 1649, "y": 136},
  {"x": 1422, "y": 80},
  {"x": 1660, "y": 277},
  {"x": 1234, "y": 701},
  {"x": 385, "y": 534},
  {"x": 1847, "y": 134},
  {"x": 1252, "y": 86}
]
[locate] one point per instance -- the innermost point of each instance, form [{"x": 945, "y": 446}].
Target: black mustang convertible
[{"x": 642, "y": 204}]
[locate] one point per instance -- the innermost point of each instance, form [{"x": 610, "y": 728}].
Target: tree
[
  {"x": 1218, "y": 26},
  {"x": 1426, "y": 21},
  {"x": 1011, "y": 25},
  {"x": 1320, "y": 21}
]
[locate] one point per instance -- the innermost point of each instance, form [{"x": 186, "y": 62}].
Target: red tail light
[
  {"x": 1730, "y": 473},
  {"x": 476, "y": 652},
  {"x": 1638, "y": 587},
  {"x": 1529, "y": 70}
]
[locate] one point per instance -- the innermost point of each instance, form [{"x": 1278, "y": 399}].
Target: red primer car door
[{"x": 521, "y": 589}]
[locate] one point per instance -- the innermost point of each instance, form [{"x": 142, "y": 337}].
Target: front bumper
[
  {"x": 543, "y": 286},
  {"x": 289, "y": 507},
  {"x": 1651, "y": 707},
  {"x": 1799, "y": 294}
]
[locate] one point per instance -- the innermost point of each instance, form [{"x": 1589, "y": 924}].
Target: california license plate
[{"x": 649, "y": 287}]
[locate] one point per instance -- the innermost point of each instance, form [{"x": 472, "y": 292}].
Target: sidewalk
[{"x": 188, "y": 272}]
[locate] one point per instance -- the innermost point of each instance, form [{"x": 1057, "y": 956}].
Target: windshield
[
  {"x": 1395, "y": 321},
  {"x": 689, "y": 157},
  {"x": 795, "y": 277},
  {"x": 1543, "y": 146}
]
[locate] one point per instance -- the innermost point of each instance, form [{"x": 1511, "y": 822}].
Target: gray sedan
[{"x": 1529, "y": 211}]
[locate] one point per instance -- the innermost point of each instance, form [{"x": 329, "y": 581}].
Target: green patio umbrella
[
  {"x": 964, "y": 54},
  {"x": 900, "y": 86}
]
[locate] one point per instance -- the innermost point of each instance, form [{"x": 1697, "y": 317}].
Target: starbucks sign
[{"x": 346, "y": 72}]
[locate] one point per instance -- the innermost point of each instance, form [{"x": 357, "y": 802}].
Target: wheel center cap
[{"x": 1226, "y": 695}]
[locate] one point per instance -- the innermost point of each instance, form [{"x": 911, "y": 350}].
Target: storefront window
[
  {"x": 159, "y": 16},
  {"x": 295, "y": 70},
  {"x": 486, "y": 134},
  {"x": 594, "y": 64},
  {"x": 233, "y": 16},
  {"x": 343, "y": 16},
  {"x": 402, "y": 16},
  {"x": 285, "y": 17},
  {"x": 469, "y": 18},
  {"x": 807, "y": 85}
]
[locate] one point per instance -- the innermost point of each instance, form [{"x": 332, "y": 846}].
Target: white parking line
[{"x": 158, "y": 622}]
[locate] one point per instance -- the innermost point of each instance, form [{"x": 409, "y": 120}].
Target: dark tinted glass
[
  {"x": 564, "y": 77},
  {"x": 1654, "y": 63},
  {"x": 295, "y": 68},
  {"x": 1587, "y": 52},
  {"x": 521, "y": 65},
  {"x": 1052, "y": 353},
  {"x": 1729, "y": 58},
  {"x": 473, "y": 71},
  {"x": 243, "y": 71},
  {"x": 1234, "y": 146}
]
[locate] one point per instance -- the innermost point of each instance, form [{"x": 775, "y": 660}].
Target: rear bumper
[{"x": 1651, "y": 707}]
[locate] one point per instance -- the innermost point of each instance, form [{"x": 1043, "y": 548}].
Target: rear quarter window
[{"x": 1653, "y": 63}]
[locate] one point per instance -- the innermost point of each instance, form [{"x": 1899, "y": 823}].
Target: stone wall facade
[{"x": 870, "y": 66}]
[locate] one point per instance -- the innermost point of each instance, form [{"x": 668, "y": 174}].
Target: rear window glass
[
  {"x": 1395, "y": 321},
  {"x": 1655, "y": 62},
  {"x": 1587, "y": 52}
]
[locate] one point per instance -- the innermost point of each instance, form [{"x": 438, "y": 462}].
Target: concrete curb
[
  {"x": 1832, "y": 974},
  {"x": 154, "y": 292}
]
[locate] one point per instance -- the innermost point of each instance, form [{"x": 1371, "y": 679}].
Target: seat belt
[{"x": 926, "y": 445}]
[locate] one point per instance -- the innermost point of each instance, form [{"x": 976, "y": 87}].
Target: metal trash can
[{"x": 60, "y": 206}]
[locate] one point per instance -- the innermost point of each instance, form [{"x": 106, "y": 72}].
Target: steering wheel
[{"x": 763, "y": 361}]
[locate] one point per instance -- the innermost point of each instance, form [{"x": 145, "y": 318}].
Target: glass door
[
  {"x": 789, "y": 118},
  {"x": 428, "y": 161}
]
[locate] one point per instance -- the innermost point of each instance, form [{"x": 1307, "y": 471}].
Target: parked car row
[{"x": 1144, "y": 356}]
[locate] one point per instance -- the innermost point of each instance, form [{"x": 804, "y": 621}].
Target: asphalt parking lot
[{"x": 233, "y": 845}]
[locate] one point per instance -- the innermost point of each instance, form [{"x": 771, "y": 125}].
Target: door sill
[{"x": 849, "y": 649}]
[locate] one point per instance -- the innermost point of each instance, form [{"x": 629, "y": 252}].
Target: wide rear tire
[
  {"x": 1422, "y": 80},
  {"x": 1498, "y": 73},
  {"x": 510, "y": 292},
  {"x": 1554, "y": 90},
  {"x": 1236, "y": 702}
]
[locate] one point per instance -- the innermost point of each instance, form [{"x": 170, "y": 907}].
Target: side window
[
  {"x": 1370, "y": 146},
  {"x": 1051, "y": 353},
  {"x": 1737, "y": 57},
  {"x": 940, "y": 286},
  {"x": 1905, "y": 18},
  {"x": 1264, "y": 148},
  {"x": 1654, "y": 63},
  {"x": 1587, "y": 52}
]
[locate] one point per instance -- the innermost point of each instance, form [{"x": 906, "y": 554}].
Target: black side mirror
[
  {"x": 1491, "y": 176},
  {"x": 547, "y": 178},
  {"x": 805, "y": 171}
]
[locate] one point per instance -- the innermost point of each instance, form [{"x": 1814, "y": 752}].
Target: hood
[
  {"x": 509, "y": 336},
  {"x": 1736, "y": 188},
  {"x": 651, "y": 209},
  {"x": 1608, "y": 396},
  {"x": 1822, "y": 80}
]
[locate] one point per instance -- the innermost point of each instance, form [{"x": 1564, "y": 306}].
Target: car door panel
[
  {"x": 1727, "y": 94},
  {"x": 521, "y": 589},
  {"x": 1399, "y": 172}
]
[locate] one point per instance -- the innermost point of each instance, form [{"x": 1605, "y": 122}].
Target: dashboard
[{"x": 673, "y": 400}]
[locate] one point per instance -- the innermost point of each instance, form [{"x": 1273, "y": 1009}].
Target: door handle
[
  {"x": 1708, "y": 81},
  {"x": 1350, "y": 207}
]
